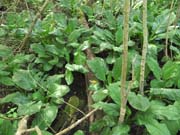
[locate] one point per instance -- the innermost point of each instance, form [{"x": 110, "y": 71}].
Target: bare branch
[{"x": 76, "y": 123}]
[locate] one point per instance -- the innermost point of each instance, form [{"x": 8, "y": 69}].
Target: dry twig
[{"x": 76, "y": 123}]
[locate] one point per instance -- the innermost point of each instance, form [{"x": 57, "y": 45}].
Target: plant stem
[
  {"x": 145, "y": 45},
  {"x": 124, "y": 60}
]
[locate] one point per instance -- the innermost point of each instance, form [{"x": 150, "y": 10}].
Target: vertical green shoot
[
  {"x": 124, "y": 60},
  {"x": 145, "y": 45}
]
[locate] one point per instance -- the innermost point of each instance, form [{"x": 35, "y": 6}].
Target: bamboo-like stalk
[
  {"x": 124, "y": 60},
  {"x": 145, "y": 45},
  {"x": 167, "y": 31}
]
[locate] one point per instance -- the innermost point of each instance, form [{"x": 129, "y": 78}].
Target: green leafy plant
[{"x": 47, "y": 81}]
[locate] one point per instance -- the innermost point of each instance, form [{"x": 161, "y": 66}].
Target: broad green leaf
[
  {"x": 45, "y": 117},
  {"x": 72, "y": 24},
  {"x": 73, "y": 103},
  {"x": 22, "y": 58},
  {"x": 138, "y": 101},
  {"x": 116, "y": 71},
  {"x": 157, "y": 83},
  {"x": 76, "y": 34},
  {"x": 54, "y": 61},
  {"x": 38, "y": 96},
  {"x": 170, "y": 112},
  {"x": 47, "y": 66},
  {"x": 57, "y": 91},
  {"x": 171, "y": 94},
  {"x": 104, "y": 46},
  {"x": 55, "y": 78},
  {"x": 98, "y": 67},
  {"x": 99, "y": 34},
  {"x": 24, "y": 79},
  {"x": 152, "y": 50},
  {"x": 110, "y": 19},
  {"x": 114, "y": 92},
  {"x": 152, "y": 125},
  {"x": 109, "y": 108},
  {"x": 169, "y": 70},
  {"x": 79, "y": 58},
  {"x": 7, "y": 128},
  {"x": 45, "y": 133},
  {"x": 120, "y": 130},
  {"x": 60, "y": 19},
  {"x": 6, "y": 81},
  {"x": 5, "y": 51},
  {"x": 15, "y": 98},
  {"x": 110, "y": 121},
  {"x": 69, "y": 77},
  {"x": 29, "y": 108},
  {"x": 97, "y": 125},
  {"x": 106, "y": 131},
  {"x": 162, "y": 21},
  {"x": 4, "y": 73},
  {"x": 2, "y": 32},
  {"x": 119, "y": 35},
  {"x": 108, "y": 35},
  {"x": 178, "y": 83},
  {"x": 175, "y": 49},
  {"x": 87, "y": 10},
  {"x": 39, "y": 49},
  {"x": 79, "y": 132},
  {"x": 99, "y": 95},
  {"x": 173, "y": 126},
  {"x": 52, "y": 49},
  {"x": 154, "y": 67},
  {"x": 75, "y": 67}
]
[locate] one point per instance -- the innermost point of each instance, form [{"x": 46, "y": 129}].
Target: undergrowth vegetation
[{"x": 44, "y": 78}]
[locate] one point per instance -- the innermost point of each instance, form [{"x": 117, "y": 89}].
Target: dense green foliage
[{"x": 44, "y": 80}]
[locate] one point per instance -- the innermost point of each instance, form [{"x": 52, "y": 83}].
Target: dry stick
[
  {"x": 76, "y": 123},
  {"x": 23, "y": 44},
  {"x": 167, "y": 31},
  {"x": 145, "y": 45},
  {"x": 36, "y": 128},
  {"x": 124, "y": 60},
  {"x": 22, "y": 127}
]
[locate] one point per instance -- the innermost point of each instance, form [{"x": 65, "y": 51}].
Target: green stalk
[
  {"x": 145, "y": 45},
  {"x": 124, "y": 60}
]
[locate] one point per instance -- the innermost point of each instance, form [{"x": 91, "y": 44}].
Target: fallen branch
[
  {"x": 22, "y": 127},
  {"x": 76, "y": 123}
]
